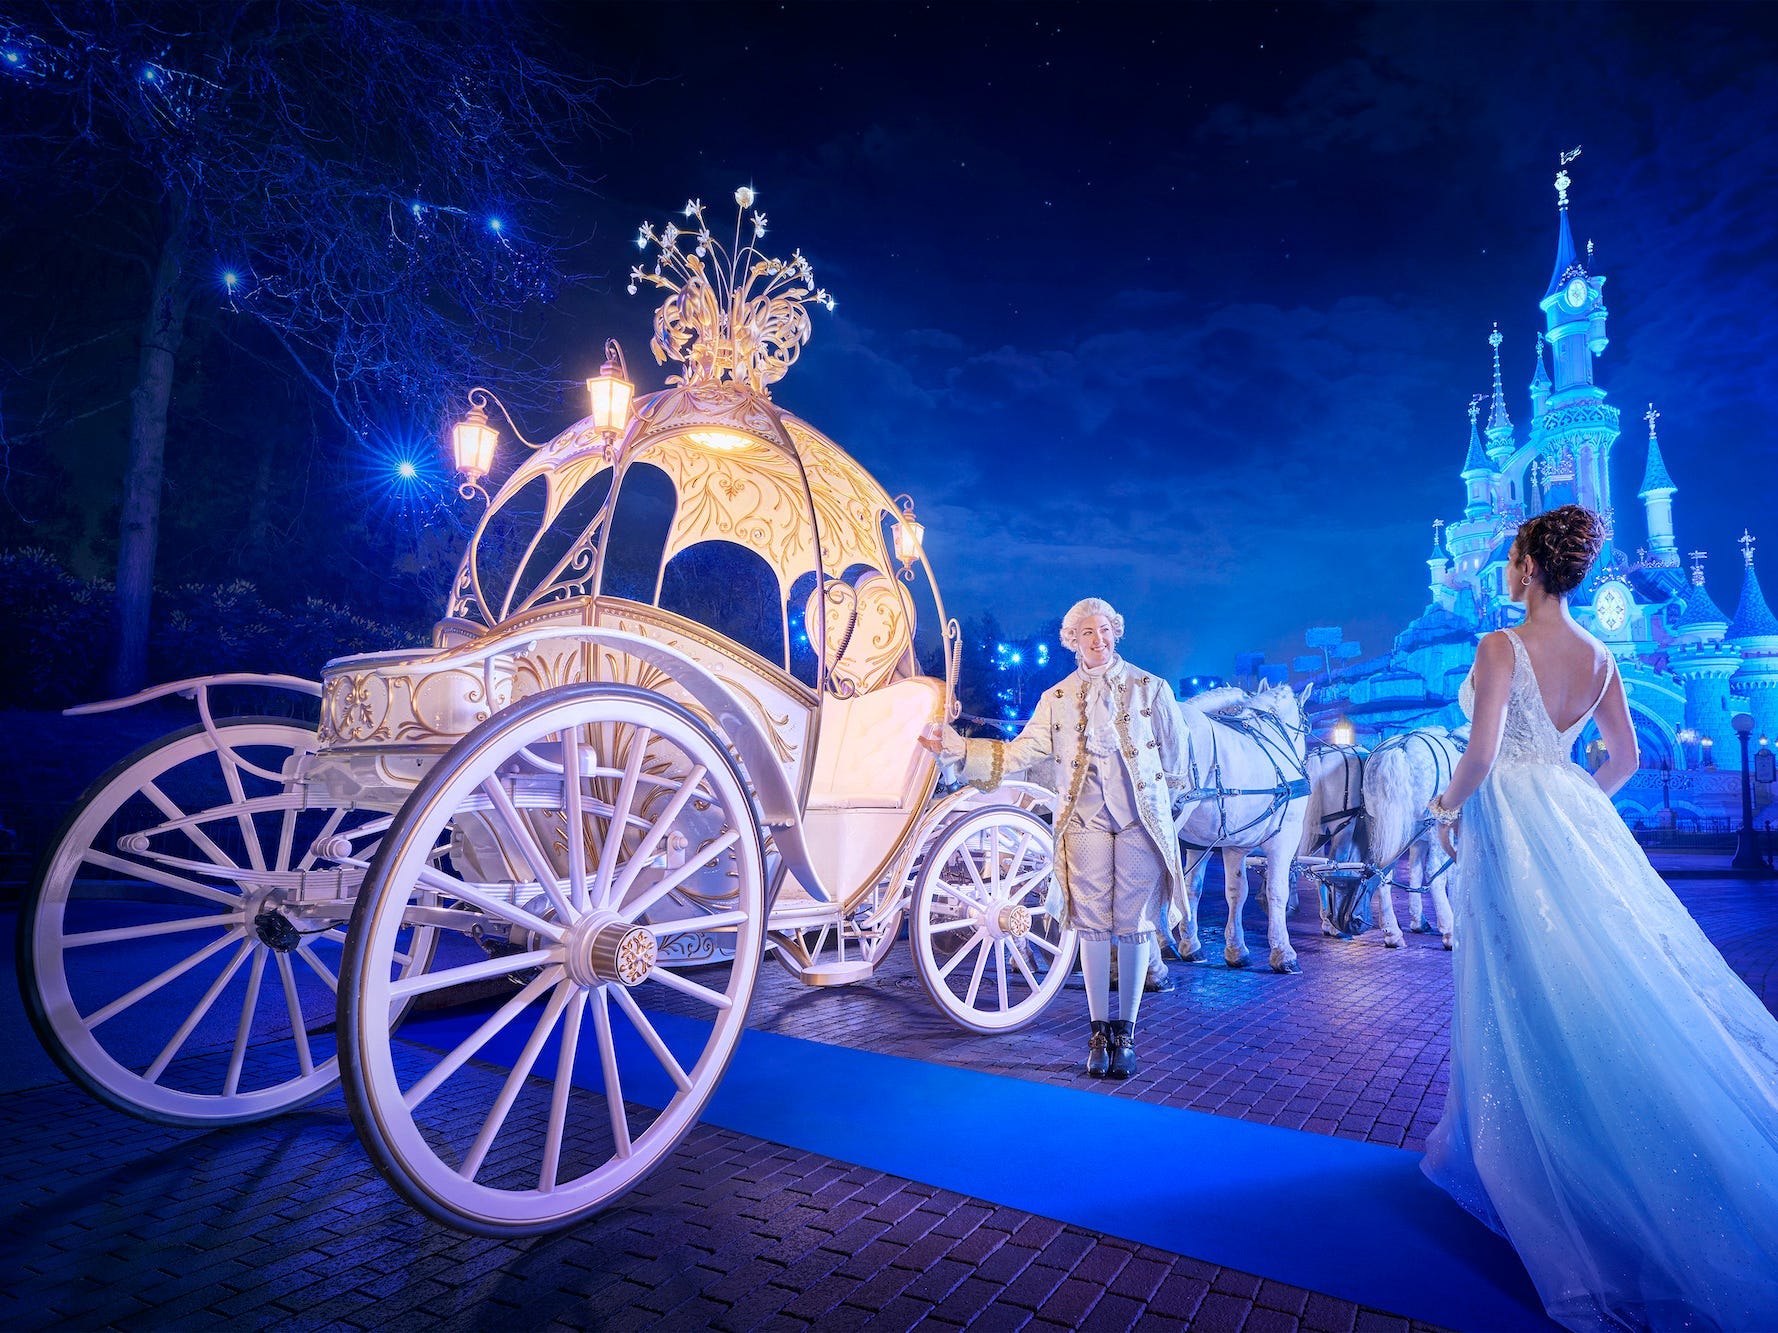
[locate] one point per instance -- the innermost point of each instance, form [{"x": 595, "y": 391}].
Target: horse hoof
[
  {"x": 1195, "y": 956},
  {"x": 1392, "y": 944},
  {"x": 1287, "y": 967},
  {"x": 1447, "y": 944},
  {"x": 1235, "y": 962}
]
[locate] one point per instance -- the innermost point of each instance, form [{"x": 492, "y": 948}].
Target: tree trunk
[{"x": 163, "y": 330}]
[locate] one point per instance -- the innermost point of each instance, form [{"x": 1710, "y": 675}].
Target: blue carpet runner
[{"x": 1353, "y": 1220}]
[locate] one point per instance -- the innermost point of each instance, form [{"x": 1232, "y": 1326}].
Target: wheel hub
[
  {"x": 1014, "y": 920},
  {"x": 600, "y": 950}
]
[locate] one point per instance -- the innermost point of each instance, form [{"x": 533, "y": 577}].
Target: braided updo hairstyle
[{"x": 1562, "y": 543}]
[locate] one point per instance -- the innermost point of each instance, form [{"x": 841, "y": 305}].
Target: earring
[{"x": 1525, "y": 582}]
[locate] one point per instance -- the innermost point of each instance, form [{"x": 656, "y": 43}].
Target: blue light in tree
[
  {"x": 230, "y": 279},
  {"x": 148, "y": 74},
  {"x": 496, "y": 225},
  {"x": 14, "y": 57},
  {"x": 406, "y": 470}
]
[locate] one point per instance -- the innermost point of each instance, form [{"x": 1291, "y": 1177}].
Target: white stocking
[
  {"x": 1132, "y": 972},
  {"x": 1095, "y": 966}
]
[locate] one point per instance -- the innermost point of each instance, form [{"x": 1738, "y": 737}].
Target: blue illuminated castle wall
[{"x": 1688, "y": 667}]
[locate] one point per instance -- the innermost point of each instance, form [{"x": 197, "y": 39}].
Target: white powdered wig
[{"x": 1085, "y": 609}]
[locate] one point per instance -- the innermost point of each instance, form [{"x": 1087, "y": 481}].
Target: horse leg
[
  {"x": 1441, "y": 906},
  {"x": 1283, "y": 957},
  {"x": 1192, "y": 948},
  {"x": 1416, "y": 897},
  {"x": 1234, "y": 879},
  {"x": 1385, "y": 907}
]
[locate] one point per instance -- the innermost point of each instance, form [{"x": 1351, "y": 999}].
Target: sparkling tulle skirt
[{"x": 1613, "y": 1104}]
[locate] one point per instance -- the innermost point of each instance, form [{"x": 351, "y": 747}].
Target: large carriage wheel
[
  {"x": 986, "y": 945},
  {"x": 160, "y": 960},
  {"x": 584, "y": 825}
]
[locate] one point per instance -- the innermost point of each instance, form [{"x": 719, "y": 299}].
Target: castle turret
[
  {"x": 1579, "y": 426},
  {"x": 1478, "y": 470},
  {"x": 1704, "y": 663},
  {"x": 1656, "y": 495},
  {"x": 1440, "y": 593},
  {"x": 1500, "y": 426},
  {"x": 1540, "y": 385},
  {"x": 1754, "y": 631}
]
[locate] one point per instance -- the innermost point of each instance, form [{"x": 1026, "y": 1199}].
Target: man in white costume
[{"x": 1109, "y": 740}]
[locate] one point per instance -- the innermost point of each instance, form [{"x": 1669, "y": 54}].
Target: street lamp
[
  {"x": 1687, "y": 737},
  {"x": 611, "y": 392},
  {"x": 1746, "y": 855},
  {"x": 1343, "y": 732},
  {"x": 472, "y": 448},
  {"x": 909, "y": 536}
]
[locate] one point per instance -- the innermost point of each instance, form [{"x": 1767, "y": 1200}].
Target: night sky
[{"x": 1182, "y": 305}]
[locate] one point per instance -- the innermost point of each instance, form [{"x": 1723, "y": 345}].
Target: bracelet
[{"x": 1444, "y": 816}]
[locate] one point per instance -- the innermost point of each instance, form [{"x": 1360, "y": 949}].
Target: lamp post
[
  {"x": 1666, "y": 791},
  {"x": 1343, "y": 732},
  {"x": 610, "y": 392},
  {"x": 1746, "y": 854}
]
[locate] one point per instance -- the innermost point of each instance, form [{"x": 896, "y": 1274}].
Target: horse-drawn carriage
[{"x": 669, "y": 725}]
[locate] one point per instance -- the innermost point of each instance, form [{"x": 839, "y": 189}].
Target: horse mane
[{"x": 1215, "y": 701}]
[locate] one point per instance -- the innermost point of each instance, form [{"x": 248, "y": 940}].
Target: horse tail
[{"x": 1389, "y": 799}]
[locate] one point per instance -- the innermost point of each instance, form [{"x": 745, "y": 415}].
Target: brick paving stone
[{"x": 110, "y": 1222}]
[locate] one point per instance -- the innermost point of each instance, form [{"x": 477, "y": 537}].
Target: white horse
[
  {"x": 1404, "y": 773},
  {"x": 1245, "y": 754},
  {"x": 1335, "y": 832}
]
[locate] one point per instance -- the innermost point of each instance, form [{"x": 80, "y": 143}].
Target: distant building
[{"x": 1688, "y": 667}]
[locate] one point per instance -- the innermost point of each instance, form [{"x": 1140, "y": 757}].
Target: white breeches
[{"x": 1116, "y": 882}]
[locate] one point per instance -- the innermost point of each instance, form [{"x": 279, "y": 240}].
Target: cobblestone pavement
[{"x": 109, "y": 1222}]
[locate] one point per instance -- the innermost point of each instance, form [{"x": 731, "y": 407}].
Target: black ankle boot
[
  {"x": 1099, "y": 1050},
  {"x": 1123, "y": 1048}
]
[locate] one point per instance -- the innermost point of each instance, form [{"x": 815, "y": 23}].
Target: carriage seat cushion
[{"x": 868, "y": 755}]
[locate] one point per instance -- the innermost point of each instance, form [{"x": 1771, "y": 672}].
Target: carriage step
[{"x": 838, "y": 974}]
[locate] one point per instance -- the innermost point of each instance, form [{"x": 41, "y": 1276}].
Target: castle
[{"x": 1688, "y": 667}]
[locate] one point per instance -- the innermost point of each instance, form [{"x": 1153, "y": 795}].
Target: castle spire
[
  {"x": 1540, "y": 378},
  {"x": 1475, "y": 462},
  {"x": 1701, "y": 616},
  {"x": 1654, "y": 476},
  {"x": 1565, "y": 253},
  {"x": 1753, "y": 618},
  {"x": 1497, "y": 418}
]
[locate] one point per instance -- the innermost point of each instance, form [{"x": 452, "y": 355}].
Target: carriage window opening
[
  {"x": 637, "y": 535},
  {"x": 561, "y": 564},
  {"x": 504, "y": 539},
  {"x": 729, "y": 589},
  {"x": 802, "y": 635}
]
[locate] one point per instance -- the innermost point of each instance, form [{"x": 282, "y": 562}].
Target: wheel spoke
[
  {"x": 515, "y": 1081},
  {"x": 1000, "y": 971},
  {"x": 1018, "y": 957},
  {"x": 286, "y": 837},
  {"x": 558, "y": 1100},
  {"x": 645, "y": 849},
  {"x": 243, "y": 1030},
  {"x": 154, "y": 1071},
  {"x": 86, "y": 937},
  {"x": 321, "y": 969},
  {"x": 170, "y": 808},
  {"x": 952, "y": 892},
  {"x": 574, "y": 819},
  {"x": 961, "y": 954},
  {"x": 466, "y": 1049},
  {"x": 491, "y": 903},
  {"x": 1035, "y": 939},
  {"x": 975, "y": 873},
  {"x": 975, "y": 981},
  {"x": 428, "y": 982},
  {"x": 231, "y": 775},
  {"x": 630, "y": 911},
  {"x": 298, "y": 1026},
  {"x": 165, "y": 878},
  {"x": 619, "y": 822},
  {"x": 614, "y": 1090},
  {"x": 520, "y": 833},
  {"x": 714, "y": 921},
  {"x": 633, "y": 1011},
  {"x": 962, "y": 923},
  {"x": 153, "y": 984},
  {"x": 668, "y": 977}
]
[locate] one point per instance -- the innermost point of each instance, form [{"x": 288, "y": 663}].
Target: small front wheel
[{"x": 987, "y": 945}]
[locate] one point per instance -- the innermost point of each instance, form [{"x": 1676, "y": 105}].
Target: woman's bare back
[{"x": 1572, "y": 667}]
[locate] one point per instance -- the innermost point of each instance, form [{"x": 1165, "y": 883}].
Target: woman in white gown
[{"x": 1613, "y": 1102}]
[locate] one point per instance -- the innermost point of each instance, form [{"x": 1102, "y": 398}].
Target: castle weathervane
[{"x": 1562, "y": 179}]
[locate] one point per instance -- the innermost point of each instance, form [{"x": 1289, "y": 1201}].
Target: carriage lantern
[
  {"x": 472, "y": 447},
  {"x": 1343, "y": 732},
  {"x": 909, "y": 536},
  {"x": 611, "y": 392}
]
